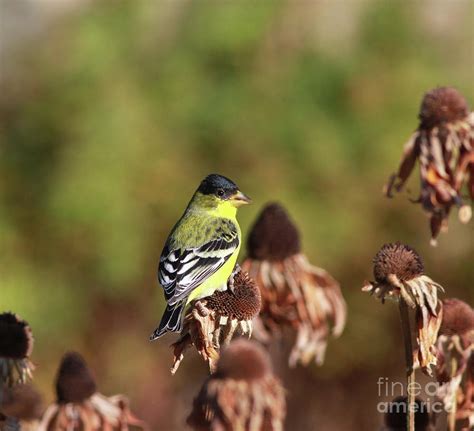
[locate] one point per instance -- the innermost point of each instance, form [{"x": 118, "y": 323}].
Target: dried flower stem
[
  {"x": 405, "y": 318},
  {"x": 452, "y": 412}
]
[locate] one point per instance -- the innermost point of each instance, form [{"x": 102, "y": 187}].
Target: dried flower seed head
[
  {"x": 236, "y": 400},
  {"x": 458, "y": 317},
  {"x": 399, "y": 260},
  {"x": 273, "y": 236},
  {"x": 396, "y": 416},
  {"x": 212, "y": 322},
  {"x": 242, "y": 304},
  {"x": 442, "y": 105},
  {"x": 295, "y": 294},
  {"x": 16, "y": 345},
  {"x": 22, "y": 402},
  {"x": 16, "y": 339},
  {"x": 455, "y": 375},
  {"x": 80, "y": 407},
  {"x": 243, "y": 361},
  {"x": 398, "y": 271},
  {"x": 455, "y": 365},
  {"x": 444, "y": 147},
  {"x": 75, "y": 381}
]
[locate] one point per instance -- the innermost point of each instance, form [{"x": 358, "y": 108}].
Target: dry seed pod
[
  {"x": 295, "y": 294},
  {"x": 16, "y": 346},
  {"x": 399, "y": 273},
  {"x": 242, "y": 395},
  {"x": 79, "y": 407},
  {"x": 443, "y": 144},
  {"x": 22, "y": 404},
  {"x": 455, "y": 367},
  {"x": 211, "y": 323},
  {"x": 458, "y": 318}
]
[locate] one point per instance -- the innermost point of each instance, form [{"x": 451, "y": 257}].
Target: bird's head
[{"x": 217, "y": 191}]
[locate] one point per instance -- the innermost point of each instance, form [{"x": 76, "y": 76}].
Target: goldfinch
[{"x": 201, "y": 250}]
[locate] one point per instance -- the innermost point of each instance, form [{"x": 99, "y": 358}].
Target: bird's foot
[
  {"x": 201, "y": 309},
  {"x": 231, "y": 282}
]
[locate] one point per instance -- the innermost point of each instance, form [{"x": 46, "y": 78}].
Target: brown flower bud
[
  {"x": 273, "y": 236},
  {"x": 75, "y": 382}
]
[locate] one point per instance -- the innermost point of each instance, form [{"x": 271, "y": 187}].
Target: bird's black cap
[{"x": 214, "y": 182}]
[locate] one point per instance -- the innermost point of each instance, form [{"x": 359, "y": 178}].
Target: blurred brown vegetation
[{"x": 112, "y": 114}]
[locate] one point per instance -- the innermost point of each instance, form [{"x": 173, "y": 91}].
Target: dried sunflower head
[
  {"x": 295, "y": 294},
  {"x": 396, "y": 416},
  {"x": 444, "y": 146},
  {"x": 243, "y": 394},
  {"x": 80, "y": 407},
  {"x": 211, "y": 323},
  {"x": 399, "y": 274},
  {"x": 16, "y": 346}
]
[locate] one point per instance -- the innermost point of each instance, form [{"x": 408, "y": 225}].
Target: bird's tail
[{"x": 171, "y": 321}]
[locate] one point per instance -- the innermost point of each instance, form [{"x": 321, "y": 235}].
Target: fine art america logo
[{"x": 392, "y": 389}]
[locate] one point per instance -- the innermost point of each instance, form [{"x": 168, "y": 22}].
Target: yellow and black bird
[{"x": 201, "y": 250}]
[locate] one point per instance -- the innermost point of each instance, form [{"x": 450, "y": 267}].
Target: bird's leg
[{"x": 230, "y": 282}]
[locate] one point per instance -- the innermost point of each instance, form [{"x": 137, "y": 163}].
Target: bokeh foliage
[{"x": 110, "y": 119}]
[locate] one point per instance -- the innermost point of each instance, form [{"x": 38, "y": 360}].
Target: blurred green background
[{"x": 112, "y": 112}]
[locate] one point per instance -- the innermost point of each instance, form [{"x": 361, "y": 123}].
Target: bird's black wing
[{"x": 180, "y": 271}]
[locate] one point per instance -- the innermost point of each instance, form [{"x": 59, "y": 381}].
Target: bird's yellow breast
[
  {"x": 217, "y": 281},
  {"x": 225, "y": 209}
]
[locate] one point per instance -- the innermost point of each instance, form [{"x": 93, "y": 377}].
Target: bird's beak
[{"x": 239, "y": 199}]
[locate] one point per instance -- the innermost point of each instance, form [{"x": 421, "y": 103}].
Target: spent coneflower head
[
  {"x": 295, "y": 294},
  {"x": 75, "y": 381},
  {"x": 16, "y": 339},
  {"x": 210, "y": 323},
  {"x": 396, "y": 259},
  {"x": 274, "y": 236},
  {"x": 399, "y": 271},
  {"x": 458, "y": 317},
  {"x": 22, "y": 402},
  {"x": 243, "y": 394},
  {"x": 242, "y": 303},
  {"x": 16, "y": 346},
  {"x": 395, "y": 418},
  {"x": 243, "y": 361},
  {"x": 399, "y": 274},
  {"x": 444, "y": 146},
  {"x": 455, "y": 350},
  {"x": 442, "y": 106},
  {"x": 80, "y": 407}
]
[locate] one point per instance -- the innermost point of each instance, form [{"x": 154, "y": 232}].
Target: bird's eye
[{"x": 220, "y": 192}]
